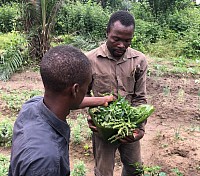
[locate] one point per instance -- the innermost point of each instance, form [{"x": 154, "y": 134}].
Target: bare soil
[{"x": 172, "y": 138}]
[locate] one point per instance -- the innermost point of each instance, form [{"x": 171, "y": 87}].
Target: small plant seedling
[
  {"x": 86, "y": 148},
  {"x": 177, "y": 172},
  {"x": 79, "y": 129},
  {"x": 181, "y": 94},
  {"x": 4, "y": 165},
  {"x": 15, "y": 98},
  {"x": 166, "y": 90},
  {"x": 79, "y": 169},
  {"x": 177, "y": 133},
  {"x": 6, "y": 132}
]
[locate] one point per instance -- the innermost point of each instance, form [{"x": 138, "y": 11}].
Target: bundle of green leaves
[{"x": 119, "y": 119}]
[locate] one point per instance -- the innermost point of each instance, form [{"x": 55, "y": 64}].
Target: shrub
[
  {"x": 13, "y": 51},
  {"x": 145, "y": 33},
  {"x": 9, "y": 17},
  {"x": 84, "y": 19}
]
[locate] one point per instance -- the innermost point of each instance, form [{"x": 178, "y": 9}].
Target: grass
[{"x": 179, "y": 66}]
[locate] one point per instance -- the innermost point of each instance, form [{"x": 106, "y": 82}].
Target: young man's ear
[{"x": 75, "y": 90}]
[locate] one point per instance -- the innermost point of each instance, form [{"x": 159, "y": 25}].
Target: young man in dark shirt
[{"x": 40, "y": 145}]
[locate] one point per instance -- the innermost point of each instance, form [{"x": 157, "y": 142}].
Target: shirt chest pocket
[
  {"x": 102, "y": 84},
  {"x": 126, "y": 83}
]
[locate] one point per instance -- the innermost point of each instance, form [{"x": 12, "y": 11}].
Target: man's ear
[{"x": 75, "y": 90}]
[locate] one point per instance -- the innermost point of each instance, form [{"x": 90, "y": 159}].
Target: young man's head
[
  {"x": 120, "y": 30},
  {"x": 66, "y": 70}
]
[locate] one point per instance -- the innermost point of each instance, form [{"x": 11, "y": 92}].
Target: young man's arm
[{"x": 95, "y": 101}]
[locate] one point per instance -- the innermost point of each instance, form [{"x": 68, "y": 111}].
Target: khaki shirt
[{"x": 126, "y": 76}]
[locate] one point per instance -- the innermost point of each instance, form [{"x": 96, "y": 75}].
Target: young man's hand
[
  {"x": 137, "y": 135},
  {"x": 108, "y": 99}
]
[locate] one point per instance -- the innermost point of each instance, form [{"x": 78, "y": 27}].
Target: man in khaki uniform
[{"x": 118, "y": 69}]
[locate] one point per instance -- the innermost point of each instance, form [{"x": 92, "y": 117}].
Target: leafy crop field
[{"x": 171, "y": 145}]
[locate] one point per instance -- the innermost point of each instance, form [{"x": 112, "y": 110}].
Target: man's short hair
[
  {"x": 63, "y": 66},
  {"x": 123, "y": 16}
]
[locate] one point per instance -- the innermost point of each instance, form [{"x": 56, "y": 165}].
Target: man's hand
[
  {"x": 137, "y": 135},
  {"x": 92, "y": 125}
]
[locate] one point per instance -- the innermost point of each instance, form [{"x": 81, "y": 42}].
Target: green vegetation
[
  {"x": 79, "y": 129},
  {"x": 15, "y": 98},
  {"x": 119, "y": 119},
  {"x": 167, "y": 31},
  {"x": 4, "y": 165},
  {"x": 6, "y": 132},
  {"x": 13, "y": 51},
  {"x": 79, "y": 169}
]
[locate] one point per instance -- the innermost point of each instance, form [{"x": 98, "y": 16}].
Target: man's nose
[{"x": 121, "y": 45}]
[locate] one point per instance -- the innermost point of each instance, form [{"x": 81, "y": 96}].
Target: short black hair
[
  {"x": 63, "y": 66},
  {"x": 123, "y": 16}
]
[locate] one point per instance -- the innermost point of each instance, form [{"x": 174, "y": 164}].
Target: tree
[{"x": 39, "y": 20}]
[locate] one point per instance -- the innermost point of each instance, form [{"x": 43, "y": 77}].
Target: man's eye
[
  {"x": 128, "y": 41},
  {"x": 116, "y": 39}
]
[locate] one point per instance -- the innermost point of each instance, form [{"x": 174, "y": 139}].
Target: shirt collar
[
  {"x": 60, "y": 126},
  {"x": 104, "y": 52}
]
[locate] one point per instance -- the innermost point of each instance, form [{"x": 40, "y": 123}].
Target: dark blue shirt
[{"x": 40, "y": 142}]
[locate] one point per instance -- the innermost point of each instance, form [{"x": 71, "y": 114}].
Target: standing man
[
  {"x": 40, "y": 145},
  {"x": 118, "y": 69}
]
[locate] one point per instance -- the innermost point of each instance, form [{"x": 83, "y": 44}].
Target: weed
[
  {"x": 181, "y": 95},
  {"x": 153, "y": 171},
  {"x": 177, "y": 133},
  {"x": 80, "y": 131},
  {"x": 177, "y": 172},
  {"x": 193, "y": 128},
  {"x": 164, "y": 145},
  {"x": 4, "y": 165},
  {"x": 166, "y": 90},
  {"x": 79, "y": 169},
  {"x": 6, "y": 132},
  {"x": 86, "y": 148},
  {"x": 15, "y": 98},
  {"x": 149, "y": 170}
]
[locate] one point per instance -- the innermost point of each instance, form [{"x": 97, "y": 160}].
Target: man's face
[{"x": 119, "y": 39}]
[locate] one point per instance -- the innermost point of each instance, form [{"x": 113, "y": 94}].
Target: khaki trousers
[{"x": 104, "y": 154}]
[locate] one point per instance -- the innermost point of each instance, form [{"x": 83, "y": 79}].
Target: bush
[
  {"x": 145, "y": 33},
  {"x": 2, "y": 2},
  {"x": 83, "y": 19},
  {"x": 13, "y": 51},
  {"x": 9, "y": 16}
]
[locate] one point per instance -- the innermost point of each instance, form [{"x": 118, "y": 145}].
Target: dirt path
[{"x": 172, "y": 138}]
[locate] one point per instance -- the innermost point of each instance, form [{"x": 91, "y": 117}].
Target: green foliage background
[{"x": 171, "y": 30}]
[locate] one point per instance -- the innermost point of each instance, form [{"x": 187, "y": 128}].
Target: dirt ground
[{"x": 172, "y": 138}]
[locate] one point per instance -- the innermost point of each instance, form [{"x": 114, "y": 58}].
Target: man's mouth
[{"x": 120, "y": 52}]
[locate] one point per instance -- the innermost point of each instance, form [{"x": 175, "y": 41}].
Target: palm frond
[{"x": 11, "y": 61}]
